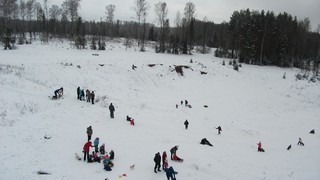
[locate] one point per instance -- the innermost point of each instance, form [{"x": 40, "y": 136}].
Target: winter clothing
[
  {"x": 111, "y": 108},
  {"x": 86, "y": 150},
  {"x": 186, "y": 123},
  {"x": 186, "y": 103},
  {"x": 204, "y": 141},
  {"x": 128, "y": 118},
  {"x": 300, "y": 142},
  {"x": 107, "y": 163},
  {"x": 92, "y": 97},
  {"x": 88, "y": 95},
  {"x": 89, "y": 132},
  {"x": 96, "y": 144},
  {"x": 219, "y": 129},
  {"x": 176, "y": 158},
  {"x": 173, "y": 151},
  {"x": 157, "y": 160},
  {"x": 111, "y": 154},
  {"x": 96, "y": 158},
  {"x": 102, "y": 149},
  {"x": 164, "y": 160},
  {"x": 312, "y": 131},
  {"x": 132, "y": 122},
  {"x": 58, "y": 93},
  {"x": 260, "y": 149},
  {"x": 171, "y": 173},
  {"x": 289, "y": 147},
  {"x": 78, "y": 92},
  {"x": 82, "y": 95}
]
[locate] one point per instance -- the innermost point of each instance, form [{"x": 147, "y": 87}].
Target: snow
[{"x": 252, "y": 105}]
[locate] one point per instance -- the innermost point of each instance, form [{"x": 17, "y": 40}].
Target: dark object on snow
[
  {"x": 151, "y": 65},
  {"x": 191, "y": 61},
  {"x": 128, "y": 118},
  {"x": 186, "y": 103},
  {"x": 102, "y": 149},
  {"x": 289, "y": 147},
  {"x": 101, "y": 65},
  {"x": 157, "y": 161},
  {"x": 260, "y": 149},
  {"x": 78, "y": 92},
  {"x": 79, "y": 66},
  {"x": 223, "y": 63},
  {"x": 111, "y": 108},
  {"x": 300, "y": 143},
  {"x": 89, "y": 132},
  {"x": 170, "y": 173},
  {"x": 133, "y": 66},
  {"x": 111, "y": 154},
  {"x": 58, "y": 93},
  {"x": 186, "y": 123},
  {"x": 92, "y": 97},
  {"x": 312, "y": 131},
  {"x": 47, "y": 137},
  {"x": 202, "y": 72},
  {"x": 205, "y": 141},
  {"x": 173, "y": 151},
  {"x": 206, "y": 106},
  {"x": 176, "y": 158},
  {"x": 95, "y": 54},
  {"x": 219, "y": 129},
  {"x": 43, "y": 173}
]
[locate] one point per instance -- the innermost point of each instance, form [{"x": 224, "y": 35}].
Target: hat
[{"x": 107, "y": 156}]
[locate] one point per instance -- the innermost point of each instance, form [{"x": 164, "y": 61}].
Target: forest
[{"x": 250, "y": 36}]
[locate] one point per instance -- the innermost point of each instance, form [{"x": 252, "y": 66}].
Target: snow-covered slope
[{"x": 252, "y": 105}]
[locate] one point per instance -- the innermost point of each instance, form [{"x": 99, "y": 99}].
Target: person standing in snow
[
  {"x": 260, "y": 149},
  {"x": 88, "y": 95},
  {"x": 300, "y": 143},
  {"x": 186, "y": 103},
  {"x": 111, "y": 154},
  {"x": 86, "y": 150},
  {"x": 96, "y": 144},
  {"x": 186, "y": 123},
  {"x": 157, "y": 161},
  {"x": 173, "y": 151},
  {"x": 92, "y": 97},
  {"x": 89, "y": 132},
  {"x": 111, "y": 108},
  {"x": 164, "y": 160},
  {"x": 78, "y": 92},
  {"x": 219, "y": 129},
  {"x": 82, "y": 95}
]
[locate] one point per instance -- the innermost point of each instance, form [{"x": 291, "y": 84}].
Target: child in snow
[
  {"x": 132, "y": 122},
  {"x": 219, "y": 129},
  {"x": 176, "y": 158},
  {"x": 173, "y": 151},
  {"x": 300, "y": 143},
  {"x": 58, "y": 93},
  {"x": 96, "y": 158},
  {"x": 111, "y": 154},
  {"x": 260, "y": 149},
  {"x": 312, "y": 131},
  {"x": 102, "y": 149},
  {"x": 96, "y": 144},
  {"x": 128, "y": 118},
  {"x": 107, "y": 163},
  {"x": 289, "y": 147}
]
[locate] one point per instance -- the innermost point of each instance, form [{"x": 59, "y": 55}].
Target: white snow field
[{"x": 252, "y": 105}]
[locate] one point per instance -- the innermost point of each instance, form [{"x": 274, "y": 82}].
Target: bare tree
[
  {"x": 30, "y": 12},
  {"x": 189, "y": 11},
  {"x": 161, "y": 11},
  {"x": 54, "y": 14},
  {"x": 71, "y": 8},
  {"x": 189, "y": 14},
  {"x": 140, "y": 7},
  {"x": 110, "y": 16}
]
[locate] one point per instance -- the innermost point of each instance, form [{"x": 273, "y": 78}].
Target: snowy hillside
[{"x": 252, "y": 105}]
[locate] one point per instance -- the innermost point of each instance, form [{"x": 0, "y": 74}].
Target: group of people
[
  {"x": 186, "y": 104},
  {"x": 170, "y": 173},
  {"x": 300, "y": 143},
  {"x": 94, "y": 157},
  {"x": 82, "y": 96}
]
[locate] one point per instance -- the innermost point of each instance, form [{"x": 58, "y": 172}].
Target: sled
[
  {"x": 77, "y": 156},
  {"x": 122, "y": 175},
  {"x": 181, "y": 160}
]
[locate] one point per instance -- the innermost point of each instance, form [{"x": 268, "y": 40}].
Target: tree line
[{"x": 254, "y": 37}]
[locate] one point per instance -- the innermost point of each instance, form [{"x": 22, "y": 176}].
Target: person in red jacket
[
  {"x": 260, "y": 149},
  {"x": 164, "y": 160},
  {"x": 86, "y": 150}
]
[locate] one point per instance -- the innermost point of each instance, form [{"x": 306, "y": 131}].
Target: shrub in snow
[
  {"x": 230, "y": 62},
  {"x": 236, "y": 67},
  {"x": 313, "y": 79},
  {"x": 284, "y": 76},
  {"x": 223, "y": 63},
  {"x": 299, "y": 76},
  {"x": 240, "y": 65}
]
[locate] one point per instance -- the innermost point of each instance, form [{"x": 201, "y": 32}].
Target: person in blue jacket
[
  {"x": 96, "y": 144},
  {"x": 171, "y": 173}
]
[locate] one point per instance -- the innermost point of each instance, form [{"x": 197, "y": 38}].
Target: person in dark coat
[
  {"x": 86, "y": 150},
  {"x": 89, "y": 132},
  {"x": 128, "y": 118},
  {"x": 102, "y": 149},
  {"x": 111, "y": 154},
  {"x": 58, "y": 93},
  {"x": 82, "y": 95},
  {"x": 205, "y": 141},
  {"x": 186, "y": 123},
  {"x": 186, "y": 103},
  {"x": 157, "y": 161},
  {"x": 111, "y": 108},
  {"x": 171, "y": 173},
  {"x": 92, "y": 97},
  {"x": 312, "y": 131},
  {"x": 219, "y": 129},
  {"x": 300, "y": 143},
  {"x": 289, "y": 147},
  {"x": 78, "y": 92},
  {"x": 173, "y": 151}
]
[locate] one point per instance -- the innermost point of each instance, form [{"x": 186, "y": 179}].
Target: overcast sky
[{"x": 215, "y": 10}]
